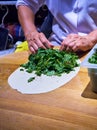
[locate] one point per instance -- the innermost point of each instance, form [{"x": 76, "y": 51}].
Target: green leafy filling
[
  {"x": 51, "y": 62},
  {"x": 93, "y": 58},
  {"x": 31, "y": 79}
]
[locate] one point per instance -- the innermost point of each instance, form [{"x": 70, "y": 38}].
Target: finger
[
  {"x": 76, "y": 47},
  {"x": 62, "y": 47},
  {"x": 65, "y": 44},
  {"x": 72, "y": 44},
  {"x": 45, "y": 41},
  {"x": 39, "y": 43},
  {"x": 33, "y": 46},
  {"x": 32, "y": 50}
]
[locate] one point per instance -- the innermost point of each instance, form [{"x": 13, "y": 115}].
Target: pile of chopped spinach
[
  {"x": 93, "y": 58},
  {"x": 51, "y": 62}
]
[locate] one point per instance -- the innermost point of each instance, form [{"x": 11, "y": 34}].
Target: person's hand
[
  {"x": 74, "y": 42},
  {"x": 37, "y": 40}
]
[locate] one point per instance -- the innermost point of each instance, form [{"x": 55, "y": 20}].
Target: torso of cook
[{"x": 70, "y": 16}]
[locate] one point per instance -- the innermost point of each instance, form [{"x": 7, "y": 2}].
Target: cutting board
[{"x": 41, "y": 84}]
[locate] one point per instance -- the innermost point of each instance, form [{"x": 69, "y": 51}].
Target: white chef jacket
[{"x": 70, "y": 16}]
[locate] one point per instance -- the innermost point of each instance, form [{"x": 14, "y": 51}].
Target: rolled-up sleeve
[{"x": 33, "y": 4}]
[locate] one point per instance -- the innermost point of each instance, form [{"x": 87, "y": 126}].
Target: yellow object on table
[{"x": 23, "y": 46}]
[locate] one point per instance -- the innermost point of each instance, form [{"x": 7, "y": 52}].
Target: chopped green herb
[
  {"x": 93, "y": 58},
  {"x": 51, "y": 62},
  {"x": 31, "y": 79},
  {"x": 21, "y": 69}
]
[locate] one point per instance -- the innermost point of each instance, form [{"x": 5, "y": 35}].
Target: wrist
[
  {"x": 28, "y": 33},
  {"x": 93, "y": 37}
]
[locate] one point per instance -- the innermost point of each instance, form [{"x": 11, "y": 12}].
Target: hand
[
  {"x": 74, "y": 42},
  {"x": 37, "y": 40}
]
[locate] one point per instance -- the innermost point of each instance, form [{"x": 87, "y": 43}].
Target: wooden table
[{"x": 70, "y": 107}]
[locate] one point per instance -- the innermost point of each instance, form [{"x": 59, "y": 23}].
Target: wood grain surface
[{"x": 73, "y": 106}]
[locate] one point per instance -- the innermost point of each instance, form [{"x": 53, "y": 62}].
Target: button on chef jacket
[{"x": 70, "y": 16}]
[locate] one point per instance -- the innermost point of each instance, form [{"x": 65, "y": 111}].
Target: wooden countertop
[{"x": 70, "y": 107}]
